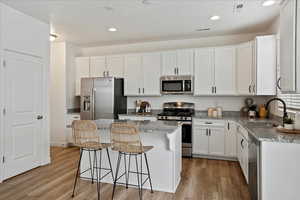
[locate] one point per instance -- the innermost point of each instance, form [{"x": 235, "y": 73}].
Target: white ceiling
[{"x": 85, "y": 22}]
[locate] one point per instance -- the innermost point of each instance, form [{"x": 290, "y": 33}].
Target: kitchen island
[{"x": 164, "y": 159}]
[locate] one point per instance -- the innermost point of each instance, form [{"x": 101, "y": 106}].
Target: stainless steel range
[{"x": 183, "y": 112}]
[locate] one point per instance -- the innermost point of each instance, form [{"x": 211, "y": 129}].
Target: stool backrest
[
  {"x": 85, "y": 131},
  {"x": 125, "y": 136}
]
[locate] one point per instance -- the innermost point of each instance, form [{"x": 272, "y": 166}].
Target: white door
[
  {"x": 115, "y": 65},
  {"x": 204, "y": 71},
  {"x": 23, "y": 99},
  {"x": 288, "y": 46},
  {"x": 225, "y": 71},
  {"x": 98, "y": 66},
  {"x": 216, "y": 141},
  {"x": 185, "y": 61},
  {"x": 230, "y": 140},
  {"x": 133, "y": 75},
  {"x": 244, "y": 67},
  {"x": 82, "y": 71},
  {"x": 151, "y": 74},
  {"x": 169, "y": 63},
  {"x": 200, "y": 140}
]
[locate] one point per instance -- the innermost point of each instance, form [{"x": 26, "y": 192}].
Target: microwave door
[
  {"x": 103, "y": 98},
  {"x": 173, "y": 86}
]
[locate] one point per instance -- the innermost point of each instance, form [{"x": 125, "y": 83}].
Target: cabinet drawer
[{"x": 209, "y": 123}]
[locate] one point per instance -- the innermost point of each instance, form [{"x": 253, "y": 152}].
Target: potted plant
[{"x": 289, "y": 123}]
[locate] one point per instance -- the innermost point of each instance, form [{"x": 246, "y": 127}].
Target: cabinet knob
[
  {"x": 278, "y": 83},
  {"x": 39, "y": 117}
]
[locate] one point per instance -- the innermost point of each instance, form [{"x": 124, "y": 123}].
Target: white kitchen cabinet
[
  {"x": 115, "y": 66},
  {"x": 265, "y": 65},
  {"x": 288, "y": 46},
  {"x": 142, "y": 74},
  {"x": 178, "y": 62},
  {"x": 231, "y": 139},
  {"x": 97, "y": 66},
  {"x": 204, "y": 71},
  {"x": 225, "y": 71},
  {"x": 68, "y": 129},
  {"x": 82, "y": 71},
  {"x": 208, "y": 138},
  {"x": 242, "y": 149},
  {"x": 200, "y": 140},
  {"x": 217, "y": 141},
  {"x": 245, "y": 69},
  {"x": 133, "y": 74},
  {"x": 151, "y": 64}
]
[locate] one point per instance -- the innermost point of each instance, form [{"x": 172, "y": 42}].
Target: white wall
[
  {"x": 166, "y": 45},
  {"x": 57, "y": 92},
  {"x": 201, "y": 103}
]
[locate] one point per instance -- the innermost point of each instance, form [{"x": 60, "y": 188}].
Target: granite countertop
[{"x": 166, "y": 127}]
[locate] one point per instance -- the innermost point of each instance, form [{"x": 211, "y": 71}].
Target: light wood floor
[{"x": 202, "y": 179}]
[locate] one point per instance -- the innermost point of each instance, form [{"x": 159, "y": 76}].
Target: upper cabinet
[
  {"x": 265, "y": 65},
  {"x": 142, "y": 73},
  {"x": 245, "y": 69},
  {"x": 178, "y": 62},
  {"x": 215, "y": 71},
  {"x": 97, "y": 66},
  {"x": 225, "y": 71},
  {"x": 288, "y": 46},
  {"x": 115, "y": 65},
  {"x": 82, "y": 71}
]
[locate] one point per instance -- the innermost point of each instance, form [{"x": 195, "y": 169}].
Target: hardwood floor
[{"x": 202, "y": 179}]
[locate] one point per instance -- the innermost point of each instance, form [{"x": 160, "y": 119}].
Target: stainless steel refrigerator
[{"x": 102, "y": 98}]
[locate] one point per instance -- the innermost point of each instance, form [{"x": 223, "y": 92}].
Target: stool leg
[
  {"x": 141, "y": 196},
  {"x": 100, "y": 165},
  {"x": 128, "y": 171},
  {"x": 77, "y": 173},
  {"x": 116, "y": 175},
  {"x": 95, "y": 157},
  {"x": 91, "y": 168},
  {"x": 137, "y": 174},
  {"x": 108, "y": 157},
  {"x": 126, "y": 174},
  {"x": 147, "y": 165}
]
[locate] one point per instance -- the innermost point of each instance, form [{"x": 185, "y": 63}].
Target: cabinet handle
[
  {"x": 139, "y": 90},
  {"x": 228, "y": 126},
  {"x": 206, "y": 132},
  {"x": 242, "y": 141},
  {"x": 209, "y": 132},
  {"x": 175, "y": 70},
  {"x": 104, "y": 74},
  {"x": 253, "y": 88},
  {"x": 143, "y": 90},
  {"x": 107, "y": 73},
  {"x": 249, "y": 88},
  {"x": 278, "y": 83},
  {"x": 212, "y": 89}
]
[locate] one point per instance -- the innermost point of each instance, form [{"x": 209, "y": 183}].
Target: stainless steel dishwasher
[{"x": 254, "y": 168}]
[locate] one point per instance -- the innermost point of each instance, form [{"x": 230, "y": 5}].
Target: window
[{"x": 292, "y": 101}]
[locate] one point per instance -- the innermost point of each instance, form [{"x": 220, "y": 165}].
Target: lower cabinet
[
  {"x": 242, "y": 150},
  {"x": 137, "y": 118}
]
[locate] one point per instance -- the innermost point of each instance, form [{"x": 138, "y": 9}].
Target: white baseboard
[{"x": 214, "y": 157}]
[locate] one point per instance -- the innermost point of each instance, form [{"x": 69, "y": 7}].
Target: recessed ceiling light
[
  {"x": 53, "y": 37},
  {"x": 112, "y": 29},
  {"x": 268, "y": 3},
  {"x": 215, "y": 17}
]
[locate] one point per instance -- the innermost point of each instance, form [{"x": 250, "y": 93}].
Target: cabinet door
[
  {"x": 266, "y": 65},
  {"x": 185, "y": 61},
  {"x": 204, "y": 71},
  {"x": 244, "y": 67},
  {"x": 97, "y": 66},
  {"x": 200, "y": 140},
  {"x": 225, "y": 70},
  {"x": 217, "y": 141},
  {"x": 230, "y": 140},
  {"x": 288, "y": 46},
  {"x": 82, "y": 71},
  {"x": 169, "y": 63},
  {"x": 133, "y": 75},
  {"x": 151, "y": 74},
  {"x": 115, "y": 65}
]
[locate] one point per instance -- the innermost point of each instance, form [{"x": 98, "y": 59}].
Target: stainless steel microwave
[{"x": 177, "y": 85}]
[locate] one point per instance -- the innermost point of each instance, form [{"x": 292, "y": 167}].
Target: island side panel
[{"x": 165, "y": 165}]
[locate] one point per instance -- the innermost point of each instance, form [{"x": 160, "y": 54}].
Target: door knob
[{"x": 39, "y": 117}]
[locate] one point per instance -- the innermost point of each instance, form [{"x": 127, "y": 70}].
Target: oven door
[
  {"x": 172, "y": 86},
  {"x": 187, "y": 139}
]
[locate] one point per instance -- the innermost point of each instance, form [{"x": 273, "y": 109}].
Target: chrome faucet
[{"x": 285, "y": 115}]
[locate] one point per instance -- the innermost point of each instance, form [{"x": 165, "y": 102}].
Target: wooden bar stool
[
  {"x": 126, "y": 140},
  {"x": 87, "y": 138}
]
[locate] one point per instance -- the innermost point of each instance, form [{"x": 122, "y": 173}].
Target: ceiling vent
[{"x": 238, "y": 6}]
